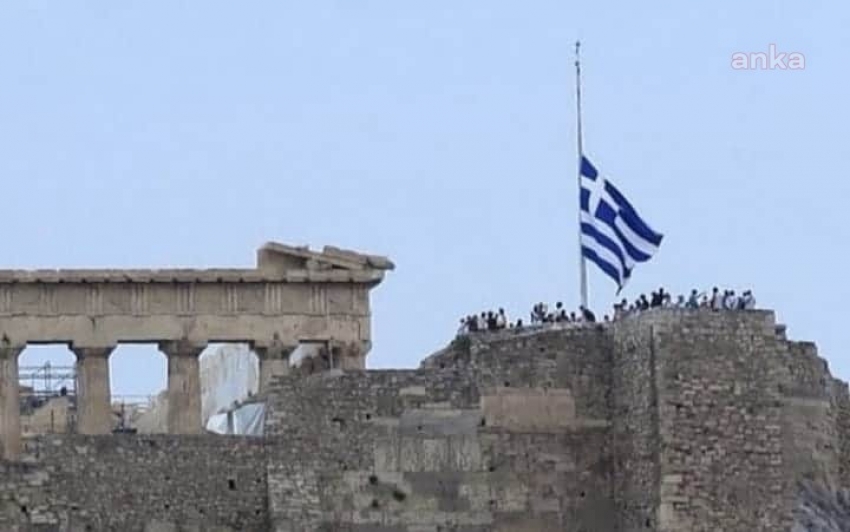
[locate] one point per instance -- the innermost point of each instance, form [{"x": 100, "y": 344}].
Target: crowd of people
[
  {"x": 727, "y": 300},
  {"x": 541, "y": 314},
  {"x": 497, "y": 320},
  {"x": 486, "y": 321}
]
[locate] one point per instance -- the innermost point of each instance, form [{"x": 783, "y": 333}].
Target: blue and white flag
[{"x": 613, "y": 235}]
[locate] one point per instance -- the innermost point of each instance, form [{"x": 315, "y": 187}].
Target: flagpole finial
[{"x": 578, "y": 47}]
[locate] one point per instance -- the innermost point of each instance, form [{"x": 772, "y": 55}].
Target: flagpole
[{"x": 582, "y": 262}]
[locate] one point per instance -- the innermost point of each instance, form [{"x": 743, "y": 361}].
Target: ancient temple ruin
[{"x": 292, "y": 296}]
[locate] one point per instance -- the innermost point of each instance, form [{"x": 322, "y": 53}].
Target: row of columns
[{"x": 94, "y": 404}]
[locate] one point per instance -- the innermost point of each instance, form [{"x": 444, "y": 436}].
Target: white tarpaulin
[
  {"x": 229, "y": 374},
  {"x": 245, "y": 420},
  {"x": 304, "y": 351}
]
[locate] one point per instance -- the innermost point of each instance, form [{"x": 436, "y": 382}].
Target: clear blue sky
[{"x": 441, "y": 133}]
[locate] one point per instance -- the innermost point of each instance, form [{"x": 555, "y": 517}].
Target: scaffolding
[
  {"x": 39, "y": 385},
  {"x": 47, "y": 380}
]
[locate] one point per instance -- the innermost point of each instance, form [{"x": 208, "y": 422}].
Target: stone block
[
  {"x": 529, "y": 409},
  {"x": 439, "y": 423}
]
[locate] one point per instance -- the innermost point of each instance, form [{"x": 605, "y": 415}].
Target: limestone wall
[
  {"x": 635, "y": 428},
  {"x": 135, "y": 484},
  {"x": 720, "y": 412},
  {"x": 812, "y": 406},
  {"x": 706, "y": 421},
  {"x": 503, "y": 441},
  {"x": 817, "y": 415},
  {"x": 671, "y": 421}
]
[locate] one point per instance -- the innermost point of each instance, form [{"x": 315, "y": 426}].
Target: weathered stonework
[
  {"x": 684, "y": 421},
  {"x": 513, "y": 439},
  {"x": 720, "y": 413},
  {"x": 136, "y": 483},
  {"x": 294, "y": 295}
]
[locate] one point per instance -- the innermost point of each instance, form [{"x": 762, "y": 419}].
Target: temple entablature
[{"x": 293, "y": 295}]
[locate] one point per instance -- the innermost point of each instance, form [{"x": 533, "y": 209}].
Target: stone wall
[
  {"x": 812, "y": 399},
  {"x": 817, "y": 415},
  {"x": 715, "y": 417},
  {"x": 635, "y": 431},
  {"x": 510, "y": 435},
  {"x": 136, "y": 484},
  {"x": 671, "y": 421},
  {"x": 720, "y": 412}
]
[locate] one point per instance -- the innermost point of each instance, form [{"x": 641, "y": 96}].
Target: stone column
[
  {"x": 10, "y": 405},
  {"x": 350, "y": 356},
  {"x": 94, "y": 404},
  {"x": 184, "y": 387},
  {"x": 274, "y": 362}
]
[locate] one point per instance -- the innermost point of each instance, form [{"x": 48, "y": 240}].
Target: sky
[{"x": 442, "y": 134}]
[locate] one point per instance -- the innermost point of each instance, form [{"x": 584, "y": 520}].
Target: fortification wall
[
  {"x": 817, "y": 417},
  {"x": 721, "y": 422},
  {"x": 714, "y": 417},
  {"x": 513, "y": 436},
  {"x": 136, "y": 484},
  {"x": 635, "y": 437},
  {"x": 811, "y": 416},
  {"x": 684, "y": 421}
]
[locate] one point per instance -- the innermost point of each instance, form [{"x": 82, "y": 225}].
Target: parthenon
[{"x": 293, "y": 296}]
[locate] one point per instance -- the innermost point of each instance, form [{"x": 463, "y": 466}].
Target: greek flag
[{"x": 613, "y": 235}]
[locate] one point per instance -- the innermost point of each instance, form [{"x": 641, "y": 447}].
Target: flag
[{"x": 613, "y": 235}]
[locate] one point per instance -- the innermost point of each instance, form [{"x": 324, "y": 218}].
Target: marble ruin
[{"x": 293, "y": 296}]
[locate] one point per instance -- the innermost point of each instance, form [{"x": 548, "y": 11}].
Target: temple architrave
[{"x": 293, "y": 296}]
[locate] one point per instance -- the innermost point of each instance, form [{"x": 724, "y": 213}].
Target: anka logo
[{"x": 771, "y": 60}]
